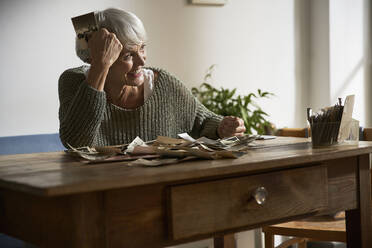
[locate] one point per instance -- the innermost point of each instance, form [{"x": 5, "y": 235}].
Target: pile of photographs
[{"x": 165, "y": 150}]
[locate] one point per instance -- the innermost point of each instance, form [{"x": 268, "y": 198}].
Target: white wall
[
  {"x": 337, "y": 59},
  {"x": 347, "y": 54},
  {"x": 319, "y": 84},
  {"x": 251, "y": 41}
]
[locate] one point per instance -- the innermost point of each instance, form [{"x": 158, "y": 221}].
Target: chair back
[
  {"x": 367, "y": 134},
  {"x": 30, "y": 144},
  {"x": 293, "y": 132}
]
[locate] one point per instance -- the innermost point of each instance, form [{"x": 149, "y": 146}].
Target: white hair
[{"x": 127, "y": 27}]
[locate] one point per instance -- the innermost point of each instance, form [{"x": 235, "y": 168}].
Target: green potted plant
[{"x": 225, "y": 102}]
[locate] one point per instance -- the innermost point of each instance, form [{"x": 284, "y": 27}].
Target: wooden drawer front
[{"x": 209, "y": 207}]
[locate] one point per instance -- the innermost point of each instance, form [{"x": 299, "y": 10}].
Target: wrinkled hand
[
  {"x": 231, "y": 126},
  {"x": 104, "y": 48}
]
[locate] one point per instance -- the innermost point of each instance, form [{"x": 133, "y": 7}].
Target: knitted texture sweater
[{"x": 88, "y": 119}]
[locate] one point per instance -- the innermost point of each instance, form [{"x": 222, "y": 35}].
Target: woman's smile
[
  {"x": 134, "y": 78},
  {"x": 137, "y": 73}
]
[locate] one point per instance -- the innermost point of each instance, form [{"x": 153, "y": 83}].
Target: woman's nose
[{"x": 140, "y": 59}]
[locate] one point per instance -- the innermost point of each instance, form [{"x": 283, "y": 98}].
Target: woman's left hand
[{"x": 231, "y": 126}]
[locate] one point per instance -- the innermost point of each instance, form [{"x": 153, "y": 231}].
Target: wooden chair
[
  {"x": 327, "y": 228},
  {"x": 293, "y": 132}
]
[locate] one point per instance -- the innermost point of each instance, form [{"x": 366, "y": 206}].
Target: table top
[{"x": 56, "y": 173}]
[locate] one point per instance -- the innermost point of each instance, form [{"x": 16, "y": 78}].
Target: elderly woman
[{"x": 117, "y": 98}]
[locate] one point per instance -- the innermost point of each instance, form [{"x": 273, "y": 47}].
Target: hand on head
[
  {"x": 231, "y": 126},
  {"x": 104, "y": 48}
]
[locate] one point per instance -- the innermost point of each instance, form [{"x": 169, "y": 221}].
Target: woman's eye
[{"x": 127, "y": 56}]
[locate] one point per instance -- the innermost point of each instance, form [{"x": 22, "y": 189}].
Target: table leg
[
  {"x": 358, "y": 221},
  {"x": 225, "y": 241},
  {"x": 269, "y": 240}
]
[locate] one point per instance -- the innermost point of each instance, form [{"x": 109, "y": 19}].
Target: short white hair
[{"x": 127, "y": 27}]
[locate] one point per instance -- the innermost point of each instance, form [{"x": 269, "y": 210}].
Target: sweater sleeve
[
  {"x": 206, "y": 122},
  {"x": 81, "y": 109},
  {"x": 203, "y": 121}
]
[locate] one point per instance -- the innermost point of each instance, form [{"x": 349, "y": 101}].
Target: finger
[
  {"x": 118, "y": 42},
  {"x": 120, "y": 46},
  {"x": 111, "y": 36},
  {"x": 234, "y": 119},
  {"x": 241, "y": 122},
  {"x": 240, "y": 130},
  {"x": 233, "y": 131},
  {"x": 114, "y": 37},
  {"x": 225, "y": 125},
  {"x": 227, "y": 121},
  {"x": 238, "y": 134},
  {"x": 104, "y": 31},
  {"x": 234, "y": 123}
]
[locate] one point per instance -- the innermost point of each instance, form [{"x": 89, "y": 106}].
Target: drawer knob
[{"x": 260, "y": 195}]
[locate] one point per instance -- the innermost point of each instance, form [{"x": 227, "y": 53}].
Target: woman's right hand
[{"x": 104, "y": 48}]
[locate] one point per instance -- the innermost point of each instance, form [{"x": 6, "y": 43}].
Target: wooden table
[{"x": 52, "y": 200}]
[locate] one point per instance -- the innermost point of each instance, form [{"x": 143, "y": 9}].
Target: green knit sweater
[{"x": 88, "y": 119}]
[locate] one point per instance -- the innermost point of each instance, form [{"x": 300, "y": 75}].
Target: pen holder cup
[
  {"x": 332, "y": 133},
  {"x": 324, "y": 133}
]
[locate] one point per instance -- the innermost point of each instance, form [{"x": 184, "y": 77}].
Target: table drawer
[{"x": 208, "y": 207}]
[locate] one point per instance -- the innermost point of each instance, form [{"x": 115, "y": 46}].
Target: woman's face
[{"x": 128, "y": 67}]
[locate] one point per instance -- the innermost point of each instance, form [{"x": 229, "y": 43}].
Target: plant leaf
[{"x": 223, "y": 101}]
